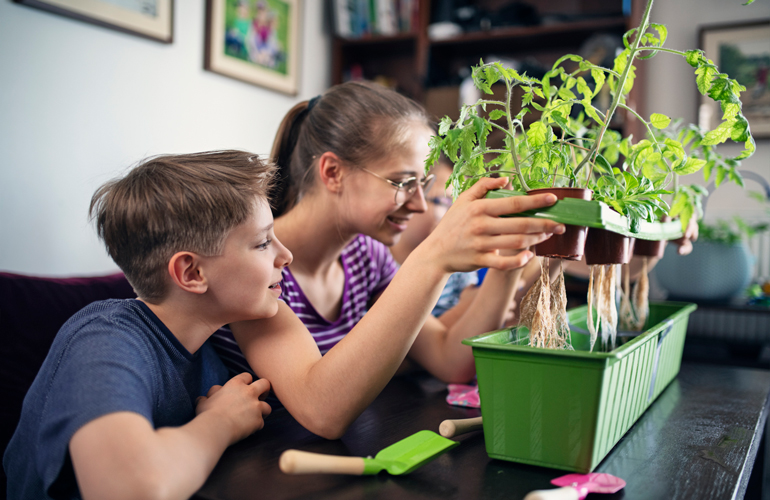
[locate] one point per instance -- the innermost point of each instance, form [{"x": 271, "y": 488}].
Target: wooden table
[{"x": 698, "y": 440}]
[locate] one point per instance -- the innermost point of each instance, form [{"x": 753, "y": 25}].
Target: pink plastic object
[{"x": 596, "y": 482}]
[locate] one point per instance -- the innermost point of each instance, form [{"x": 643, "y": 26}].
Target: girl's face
[
  {"x": 439, "y": 199},
  {"x": 373, "y": 208}
]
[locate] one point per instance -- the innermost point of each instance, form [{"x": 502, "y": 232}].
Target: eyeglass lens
[{"x": 406, "y": 192}]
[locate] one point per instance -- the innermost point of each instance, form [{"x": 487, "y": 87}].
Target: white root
[
  {"x": 544, "y": 311},
  {"x": 559, "y": 310},
  {"x": 635, "y": 306},
  {"x": 590, "y": 308}
]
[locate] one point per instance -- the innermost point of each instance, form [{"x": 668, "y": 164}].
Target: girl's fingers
[
  {"x": 519, "y": 225},
  {"x": 479, "y": 190},
  {"x": 213, "y": 390},
  {"x": 510, "y": 241},
  {"x": 517, "y": 204},
  {"x": 506, "y": 262}
]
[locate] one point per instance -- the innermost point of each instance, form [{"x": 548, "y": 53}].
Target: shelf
[
  {"x": 513, "y": 33},
  {"x": 376, "y": 39}
]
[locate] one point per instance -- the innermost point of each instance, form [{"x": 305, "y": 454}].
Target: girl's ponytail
[{"x": 284, "y": 194}]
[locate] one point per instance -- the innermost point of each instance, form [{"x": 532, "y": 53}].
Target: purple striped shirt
[{"x": 368, "y": 268}]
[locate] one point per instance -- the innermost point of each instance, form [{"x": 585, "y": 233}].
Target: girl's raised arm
[{"x": 325, "y": 394}]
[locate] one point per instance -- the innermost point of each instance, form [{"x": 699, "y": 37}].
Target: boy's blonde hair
[{"x": 174, "y": 203}]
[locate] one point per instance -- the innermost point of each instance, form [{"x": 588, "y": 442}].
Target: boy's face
[{"x": 245, "y": 280}]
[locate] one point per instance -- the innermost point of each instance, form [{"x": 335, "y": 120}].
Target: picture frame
[
  {"x": 255, "y": 41},
  {"x": 151, "y": 19},
  {"x": 742, "y": 51}
]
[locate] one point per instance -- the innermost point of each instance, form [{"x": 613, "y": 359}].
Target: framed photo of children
[
  {"x": 256, "y": 41},
  {"x": 151, "y": 19},
  {"x": 742, "y": 51}
]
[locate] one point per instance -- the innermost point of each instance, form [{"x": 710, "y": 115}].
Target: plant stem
[
  {"x": 621, "y": 83},
  {"x": 509, "y": 91}
]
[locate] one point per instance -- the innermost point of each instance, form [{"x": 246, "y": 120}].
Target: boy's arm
[
  {"x": 121, "y": 455},
  {"x": 325, "y": 394}
]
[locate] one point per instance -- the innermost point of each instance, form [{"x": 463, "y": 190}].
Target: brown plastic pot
[
  {"x": 569, "y": 245},
  {"x": 607, "y": 247},
  {"x": 650, "y": 248}
]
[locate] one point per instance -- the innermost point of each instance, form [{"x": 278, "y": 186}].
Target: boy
[{"x": 129, "y": 401}]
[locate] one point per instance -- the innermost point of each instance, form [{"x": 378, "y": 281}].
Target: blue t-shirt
[
  {"x": 112, "y": 356},
  {"x": 450, "y": 295}
]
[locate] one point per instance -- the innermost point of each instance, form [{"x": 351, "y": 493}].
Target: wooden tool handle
[
  {"x": 304, "y": 462},
  {"x": 565, "y": 493},
  {"x": 451, "y": 428}
]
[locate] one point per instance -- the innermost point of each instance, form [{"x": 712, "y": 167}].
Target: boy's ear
[
  {"x": 331, "y": 171},
  {"x": 184, "y": 268}
]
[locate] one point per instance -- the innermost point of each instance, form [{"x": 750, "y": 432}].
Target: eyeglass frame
[{"x": 426, "y": 183}]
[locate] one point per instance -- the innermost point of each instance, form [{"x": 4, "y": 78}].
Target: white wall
[
  {"x": 671, "y": 90},
  {"x": 79, "y": 104}
]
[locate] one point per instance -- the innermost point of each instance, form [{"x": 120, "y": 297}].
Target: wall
[
  {"x": 79, "y": 104},
  {"x": 671, "y": 90}
]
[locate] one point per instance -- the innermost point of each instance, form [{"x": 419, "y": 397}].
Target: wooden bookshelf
[{"x": 409, "y": 61}]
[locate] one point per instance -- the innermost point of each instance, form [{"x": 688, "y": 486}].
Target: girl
[{"x": 351, "y": 163}]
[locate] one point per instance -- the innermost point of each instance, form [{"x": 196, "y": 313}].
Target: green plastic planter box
[{"x": 567, "y": 409}]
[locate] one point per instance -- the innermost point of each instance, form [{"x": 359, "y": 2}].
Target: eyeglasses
[{"x": 406, "y": 189}]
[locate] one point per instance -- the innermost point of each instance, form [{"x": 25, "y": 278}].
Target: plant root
[
  {"x": 601, "y": 292},
  {"x": 635, "y": 305},
  {"x": 544, "y": 311}
]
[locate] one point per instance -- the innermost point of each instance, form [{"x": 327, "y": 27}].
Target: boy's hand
[
  {"x": 472, "y": 231},
  {"x": 239, "y": 402}
]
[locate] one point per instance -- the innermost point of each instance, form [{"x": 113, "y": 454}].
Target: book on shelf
[{"x": 361, "y": 18}]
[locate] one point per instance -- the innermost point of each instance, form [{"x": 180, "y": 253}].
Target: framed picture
[
  {"x": 256, "y": 41},
  {"x": 153, "y": 19},
  {"x": 743, "y": 52}
]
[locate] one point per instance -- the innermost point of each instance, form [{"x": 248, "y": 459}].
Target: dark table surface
[{"x": 698, "y": 440}]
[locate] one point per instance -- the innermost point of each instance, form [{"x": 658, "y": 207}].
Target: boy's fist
[{"x": 240, "y": 403}]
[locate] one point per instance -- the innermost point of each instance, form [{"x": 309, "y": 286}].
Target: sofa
[{"x": 32, "y": 309}]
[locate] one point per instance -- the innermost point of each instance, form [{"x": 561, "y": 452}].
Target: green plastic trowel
[{"x": 399, "y": 458}]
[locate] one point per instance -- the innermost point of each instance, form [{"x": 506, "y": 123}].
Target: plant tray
[
  {"x": 567, "y": 409},
  {"x": 592, "y": 213}
]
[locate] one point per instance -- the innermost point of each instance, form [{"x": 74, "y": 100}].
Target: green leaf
[
  {"x": 721, "y": 174},
  {"x": 598, "y": 79},
  {"x": 566, "y": 94},
  {"x": 602, "y": 162},
  {"x": 740, "y": 130},
  {"x": 536, "y": 134},
  {"x": 662, "y": 31},
  {"x": 749, "y": 148},
  {"x": 736, "y": 177},
  {"x": 496, "y": 114},
  {"x": 539, "y": 92},
  {"x": 691, "y": 166},
  {"x": 705, "y": 73},
  {"x": 659, "y": 121},
  {"x": 693, "y": 56},
  {"x": 559, "y": 119},
  {"x": 444, "y": 125},
  {"x": 718, "y": 135}
]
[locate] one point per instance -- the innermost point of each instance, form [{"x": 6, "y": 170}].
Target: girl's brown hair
[
  {"x": 174, "y": 203},
  {"x": 357, "y": 121}
]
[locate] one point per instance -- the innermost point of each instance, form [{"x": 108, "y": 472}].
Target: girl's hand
[{"x": 472, "y": 232}]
